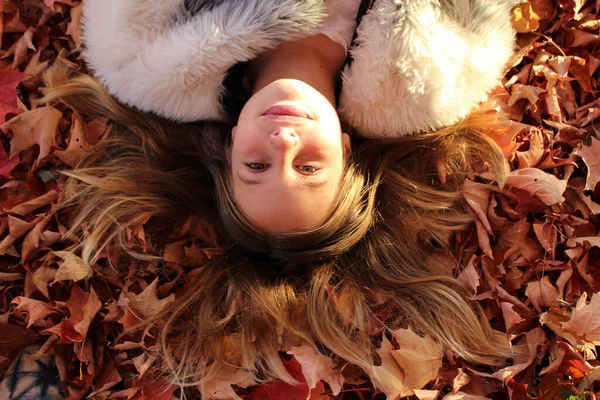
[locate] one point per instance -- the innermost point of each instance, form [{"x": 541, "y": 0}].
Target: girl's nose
[{"x": 284, "y": 138}]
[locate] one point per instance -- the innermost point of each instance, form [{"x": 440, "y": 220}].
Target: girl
[
  {"x": 414, "y": 66},
  {"x": 373, "y": 239}
]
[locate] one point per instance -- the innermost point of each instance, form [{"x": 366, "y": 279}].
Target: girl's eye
[
  {"x": 308, "y": 169},
  {"x": 256, "y": 166}
]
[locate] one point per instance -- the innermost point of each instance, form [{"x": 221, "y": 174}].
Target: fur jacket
[{"x": 414, "y": 65}]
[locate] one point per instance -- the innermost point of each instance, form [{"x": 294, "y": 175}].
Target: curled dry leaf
[
  {"x": 591, "y": 156},
  {"x": 585, "y": 320},
  {"x": 317, "y": 367},
  {"x": 38, "y": 126},
  {"x": 71, "y": 268},
  {"x": 546, "y": 187}
]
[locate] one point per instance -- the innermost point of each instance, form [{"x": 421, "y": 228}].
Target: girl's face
[{"x": 288, "y": 156}]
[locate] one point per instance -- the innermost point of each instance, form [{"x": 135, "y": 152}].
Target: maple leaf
[
  {"x": 74, "y": 27},
  {"x": 524, "y": 18},
  {"x": 389, "y": 377},
  {"x": 419, "y": 357},
  {"x": 547, "y": 187},
  {"x": 83, "y": 307},
  {"x": 477, "y": 196},
  {"x": 7, "y": 164},
  {"x": 9, "y": 80},
  {"x": 317, "y": 367},
  {"x": 542, "y": 293},
  {"x": 17, "y": 228},
  {"x": 72, "y": 268},
  {"x": 142, "y": 306},
  {"x": 219, "y": 388},
  {"x": 83, "y": 136},
  {"x": 26, "y": 208},
  {"x": 511, "y": 317},
  {"x": 36, "y": 310},
  {"x": 585, "y": 320},
  {"x": 281, "y": 390},
  {"x": 591, "y": 157},
  {"x": 33, "y": 127}
]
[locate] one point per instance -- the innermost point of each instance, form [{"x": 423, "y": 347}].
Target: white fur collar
[{"x": 157, "y": 56}]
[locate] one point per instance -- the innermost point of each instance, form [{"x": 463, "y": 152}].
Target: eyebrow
[{"x": 311, "y": 184}]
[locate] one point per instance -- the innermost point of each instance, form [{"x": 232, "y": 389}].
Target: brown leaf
[
  {"x": 524, "y": 19},
  {"x": 542, "y": 293},
  {"x": 317, "y": 367},
  {"x": 419, "y": 357},
  {"x": 20, "y": 48},
  {"x": 469, "y": 278},
  {"x": 477, "y": 196},
  {"x": 33, "y": 127},
  {"x": 36, "y": 310},
  {"x": 591, "y": 156},
  {"x": 81, "y": 139},
  {"x": 548, "y": 188},
  {"x": 519, "y": 91},
  {"x": 147, "y": 302},
  {"x": 17, "y": 228},
  {"x": 547, "y": 236},
  {"x": 25, "y": 208},
  {"x": 83, "y": 307},
  {"x": 511, "y": 317},
  {"x": 389, "y": 377},
  {"x": 585, "y": 320},
  {"x": 41, "y": 277},
  {"x": 72, "y": 268},
  {"x": 532, "y": 156},
  {"x": 74, "y": 28},
  {"x": 9, "y": 80}
]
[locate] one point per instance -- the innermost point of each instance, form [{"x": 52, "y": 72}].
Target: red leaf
[
  {"x": 9, "y": 80},
  {"x": 33, "y": 127}
]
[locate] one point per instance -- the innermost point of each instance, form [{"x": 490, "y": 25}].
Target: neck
[{"x": 316, "y": 61}]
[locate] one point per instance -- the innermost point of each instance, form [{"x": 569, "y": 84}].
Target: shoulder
[{"x": 417, "y": 65}]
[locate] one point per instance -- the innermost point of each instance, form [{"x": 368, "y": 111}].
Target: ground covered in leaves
[{"x": 532, "y": 260}]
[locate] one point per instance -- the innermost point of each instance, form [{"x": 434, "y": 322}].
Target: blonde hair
[{"x": 399, "y": 205}]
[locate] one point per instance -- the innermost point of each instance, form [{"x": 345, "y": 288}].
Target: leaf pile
[{"x": 532, "y": 260}]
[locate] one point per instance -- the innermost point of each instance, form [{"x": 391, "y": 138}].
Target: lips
[{"x": 287, "y": 111}]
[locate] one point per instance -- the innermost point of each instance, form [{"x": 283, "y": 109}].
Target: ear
[
  {"x": 233, "y": 133},
  {"x": 346, "y": 143}
]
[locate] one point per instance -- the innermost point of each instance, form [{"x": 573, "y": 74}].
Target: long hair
[{"x": 399, "y": 205}]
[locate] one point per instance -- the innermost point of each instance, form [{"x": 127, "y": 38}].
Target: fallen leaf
[
  {"x": 524, "y": 19},
  {"x": 591, "y": 157},
  {"x": 317, "y": 367},
  {"x": 389, "y": 377},
  {"x": 9, "y": 80},
  {"x": 36, "y": 310},
  {"x": 28, "y": 207},
  {"x": 419, "y": 357},
  {"x": 548, "y": 188},
  {"x": 72, "y": 268},
  {"x": 585, "y": 320},
  {"x": 542, "y": 294},
  {"x": 33, "y": 127},
  {"x": 83, "y": 307}
]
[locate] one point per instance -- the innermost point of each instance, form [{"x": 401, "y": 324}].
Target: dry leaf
[
  {"x": 419, "y": 357},
  {"x": 591, "y": 157},
  {"x": 33, "y": 127},
  {"x": 72, "y": 268},
  {"x": 317, "y": 367}
]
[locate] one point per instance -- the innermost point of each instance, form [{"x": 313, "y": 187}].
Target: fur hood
[{"x": 416, "y": 65}]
